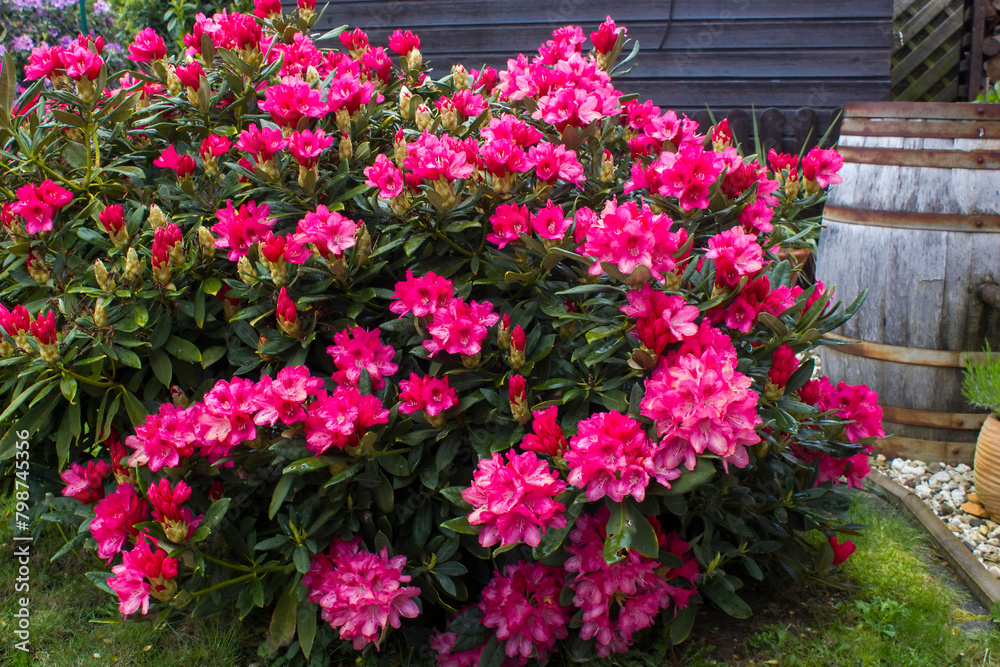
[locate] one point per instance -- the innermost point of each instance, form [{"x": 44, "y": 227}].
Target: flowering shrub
[
  {"x": 501, "y": 363},
  {"x": 31, "y": 23}
]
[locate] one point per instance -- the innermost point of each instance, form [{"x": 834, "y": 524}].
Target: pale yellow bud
[
  {"x": 343, "y": 120},
  {"x": 414, "y": 59},
  {"x": 312, "y": 75},
  {"x": 245, "y": 269},
  {"x": 207, "y": 242},
  {"x": 104, "y": 281},
  {"x": 156, "y": 217},
  {"x": 459, "y": 77},
  {"x": 424, "y": 118},
  {"x": 133, "y": 267},
  {"x": 346, "y": 148},
  {"x": 404, "y": 102},
  {"x": 100, "y": 314},
  {"x": 174, "y": 84}
]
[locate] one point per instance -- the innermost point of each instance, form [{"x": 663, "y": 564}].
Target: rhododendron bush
[{"x": 493, "y": 366}]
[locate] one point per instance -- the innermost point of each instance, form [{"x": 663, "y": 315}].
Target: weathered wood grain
[{"x": 922, "y": 282}]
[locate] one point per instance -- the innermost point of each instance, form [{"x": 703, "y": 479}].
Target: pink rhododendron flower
[
  {"x": 550, "y": 222},
  {"x": 328, "y": 232},
  {"x": 81, "y": 63},
  {"x": 523, "y": 605},
  {"x": 306, "y": 146},
  {"x": 430, "y": 394},
  {"x": 214, "y": 145},
  {"x": 354, "y": 40},
  {"x": 822, "y": 166},
  {"x": 262, "y": 144},
  {"x": 86, "y": 484},
  {"x": 566, "y": 41},
  {"x": 841, "y": 552},
  {"x": 547, "y": 436},
  {"x": 385, "y": 176},
  {"x": 184, "y": 165},
  {"x": 165, "y": 439},
  {"x": 143, "y": 572},
  {"x": 514, "y": 501},
  {"x": 178, "y": 522},
  {"x": 741, "y": 175},
  {"x": 238, "y": 229},
  {"x": 421, "y": 296},
  {"x": 226, "y": 419},
  {"x": 701, "y": 403},
  {"x": 554, "y": 162},
  {"x": 756, "y": 218},
  {"x": 509, "y": 221},
  {"x": 266, "y": 9},
  {"x": 610, "y": 456},
  {"x": 460, "y": 327},
  {"x": 859, "y": 405},
  {"x": 284, "y": 397},
  {"x": 341, "y": 419},
  {"x": 358, "y": 349},
  {"x": 736, "y": 254},
  {"x": 851, "y": 470},
  {"x": 147, "y": 47},
  {"x": 783, "y": 364},
  {"x": 443, "y": 643},
  {"x": 348, "y": 92},
  {"x": 630, "y": 237},
  {"x": 687, "y": 174},
  {"x": 115, "y": 519},
  {"x": 401, "y": 43},
  {"x": 431, "y": 158},
  {"x": 360, "y": 593},
  {"x": 291, "y": 101},
  {"x": 622, "y": 598},
  {"x": 38, "y": 204},
  {"x": 605, "y": 37},
  {"x": 660, "y": 319}
]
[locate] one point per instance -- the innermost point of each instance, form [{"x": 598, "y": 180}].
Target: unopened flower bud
[
  {"x": 343, "y": 120},
  {"x": 287, "y": 314},
  {"x": 607, "y": 168},
  {"x": 246, "y": 271},
  {"x": 312, "y": 75},
  {"x": 104, "y": 281},
  {"x": 346, "y": 148},
  {"x": 517, "y": 342},
  {"x": 404, "y": 102},
  {"x": 423, "y": 118},
  {"x": 133, "y": 267},
  {"x": 363, "y": 247},
  {"x": 206, "y": 242},
  {"x": 446, "y": 190},
  {"x": 503, "y": 333},
  {"x": 518, "y": 395},
  {"x": 400, "y": 205},
  {"x": 459, "y": 77},
  {"x": 100, "y": 314},
  {"x": 414, "y": 59},
  {"x": 174, "y": 84},
  {"x": 400, "y": 151},
  {"x": 37, "y": 268},
  {"x": 156, "y": 217}
]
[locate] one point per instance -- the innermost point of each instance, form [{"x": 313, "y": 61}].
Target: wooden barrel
[{"x": 917, "y": 223}]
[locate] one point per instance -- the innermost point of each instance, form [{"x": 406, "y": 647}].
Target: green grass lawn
[{"x": 888, "y": 605}]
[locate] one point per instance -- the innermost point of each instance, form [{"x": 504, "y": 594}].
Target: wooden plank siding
[{"x": 725, "y": 54}]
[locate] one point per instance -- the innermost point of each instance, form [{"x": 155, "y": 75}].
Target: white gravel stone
[{"x": 945, "y": 488}]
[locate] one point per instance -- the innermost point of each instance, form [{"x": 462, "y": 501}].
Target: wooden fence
[{"x": 934, "y": 44}]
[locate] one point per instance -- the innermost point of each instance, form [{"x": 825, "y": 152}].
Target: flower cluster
[
  {"x": 514, "y": 501},
  {"x": 360, "y": 593},
  {"x": 622, "y": 598},
  {"x": 629, "y": 236}
]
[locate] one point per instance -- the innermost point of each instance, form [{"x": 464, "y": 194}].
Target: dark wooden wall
[{"x": 727, "y": 54}]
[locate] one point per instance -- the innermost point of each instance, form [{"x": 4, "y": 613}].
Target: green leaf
[
  {"x": 8, "y": 85},
  {"x": 689, "y": 480},
  {"x": 307, "y": 627},
  {"x": 682, "y": 623},
  {"x": 215, "y": 513},
  {"x": 717, "y": 590},
  {"x": 460, "y": 525},
  {"x": 68, "y": 386},
  {"x": 454, "y": 496},
  {"x": 493, "y": 654},
  {"x": 278, "y": 497},
  {"x": 284, "y": 618},
  {"x": 100, "y": 579},
  {"x": 384, "y": 496},
  {"x": 344, "y": 475},
  {"x": 211, "y": 286},
  {"x": 133, "y": 406},
  {"x": 308, "y": 464},
  {"x": 162, "y": 367},
  {"x": 183, "y": 350},
  {"x": 620, "y": 532},
  {"x": 212, "y": 354}
]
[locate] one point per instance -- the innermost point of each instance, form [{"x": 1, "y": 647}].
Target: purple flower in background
[
  {"x": 114, "y": 47},
  {"x": 101, "y": 7},
  {"x": 3, "y": 49},
  {"x": 23, "y": 43},
  {"x": 65, "y": 41}
]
